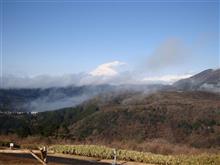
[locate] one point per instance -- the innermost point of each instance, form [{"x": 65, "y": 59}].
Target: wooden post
[
  {"x": 40, "y": 160},
  {"x": 114, "y": 154},
  {"x": 44, "y": 154}
]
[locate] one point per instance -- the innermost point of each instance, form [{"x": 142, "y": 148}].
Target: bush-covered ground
[{"x": 107, "y": 153}]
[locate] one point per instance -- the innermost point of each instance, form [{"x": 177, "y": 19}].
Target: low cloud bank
[
  {"x": 46, "y": 81},
  {"x": 169, "y": 79}
]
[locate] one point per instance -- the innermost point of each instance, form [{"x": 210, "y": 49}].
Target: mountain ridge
[{"x": 207, "y": 80}]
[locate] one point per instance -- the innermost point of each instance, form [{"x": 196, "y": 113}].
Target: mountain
[
  {"x": 177, "y": 117},
  {"x": 208, "y": 80},
  {"x": 190, "y": 118}
]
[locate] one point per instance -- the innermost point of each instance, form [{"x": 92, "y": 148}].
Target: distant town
[{"x": 17, "y": 113}]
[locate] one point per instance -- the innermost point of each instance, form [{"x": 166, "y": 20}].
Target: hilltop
[{"x": 207, "y": 80}]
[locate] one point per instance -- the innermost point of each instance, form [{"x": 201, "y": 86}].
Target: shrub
[{"x": 107, "y": 153}]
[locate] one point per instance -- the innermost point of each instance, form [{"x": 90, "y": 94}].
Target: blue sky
[{"x": 65, "y": 37}]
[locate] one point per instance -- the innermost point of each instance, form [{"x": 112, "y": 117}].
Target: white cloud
[
  {"x": 108, "y": 73},
  {"x": 41, "y": 81},
  {"x": 166, "y": 78},
  {"x": 46, "y": 81},
  {"x": 107, "y": 69}
]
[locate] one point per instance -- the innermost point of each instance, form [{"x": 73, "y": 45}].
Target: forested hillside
[{"x": 191, "y": 118}]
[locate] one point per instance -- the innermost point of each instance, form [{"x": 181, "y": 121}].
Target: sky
[{"x": 99, "y": 40}]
